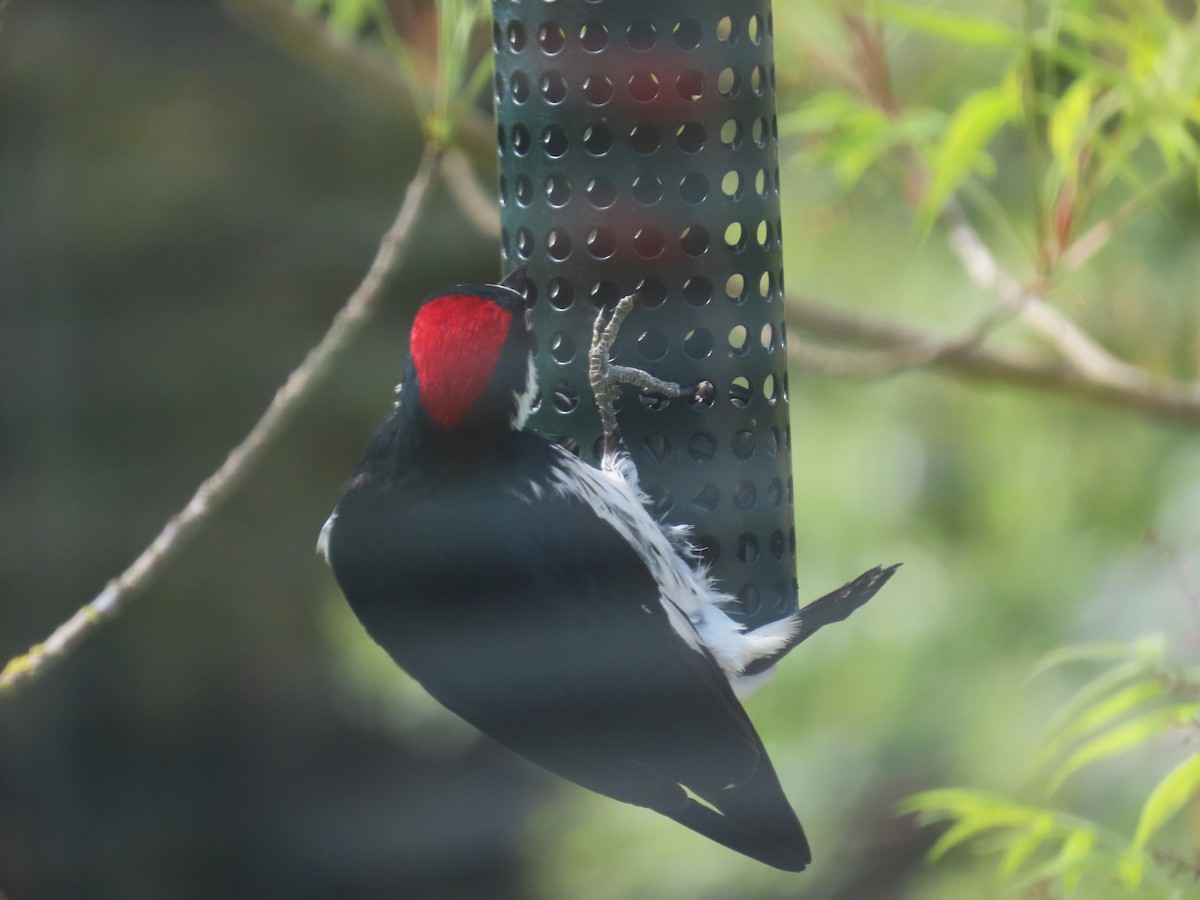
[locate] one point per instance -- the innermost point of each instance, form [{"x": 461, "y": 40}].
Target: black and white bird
[{"x": 534, "y": 595}]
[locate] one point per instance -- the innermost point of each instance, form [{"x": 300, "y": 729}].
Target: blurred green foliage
[{"x": 157, "y": 228}]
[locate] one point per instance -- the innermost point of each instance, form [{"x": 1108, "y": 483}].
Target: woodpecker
[{"x": 535, "y": 596}]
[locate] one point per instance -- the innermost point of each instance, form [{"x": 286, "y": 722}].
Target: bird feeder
[{"x": 638, "y": 152}]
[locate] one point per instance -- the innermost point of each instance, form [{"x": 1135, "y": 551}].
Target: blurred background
[{"x": 187, "y": 197}]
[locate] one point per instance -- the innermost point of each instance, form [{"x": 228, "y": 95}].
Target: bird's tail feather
[
  {"x": 833, "y": 607},
  {"x": 754, "y": 819}
]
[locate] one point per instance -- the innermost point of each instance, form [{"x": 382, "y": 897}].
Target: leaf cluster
[{"x": 1135, "y": 698}]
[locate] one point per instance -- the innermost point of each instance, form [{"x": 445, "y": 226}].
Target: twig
[
  {"x": 219, "y": 486},
  {"x": 1164, "y": 400},
  {"x": 476, "y": 202},
  {"x": 1076, "y": 346}
]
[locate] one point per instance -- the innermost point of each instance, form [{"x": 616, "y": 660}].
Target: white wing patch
[{"x": 692, "y": 602}]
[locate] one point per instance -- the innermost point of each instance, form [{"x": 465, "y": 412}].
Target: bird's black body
[{"x": 463, "y": 549}]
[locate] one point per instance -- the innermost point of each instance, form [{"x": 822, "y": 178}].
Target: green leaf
[
  {"x": 1097, "y": 716},
  {"x": 1122, "y": 738},
  {"x": 971, "y": 129},
  {"x": 966, "y": 30},
  {"x": 1067, "y": 126},
  {"x": 1167, "y": 798},
  {"x": 1022, "y": 846},
  {"x": 975, "y": 813},
  {"x": 1101, "y": 651}
]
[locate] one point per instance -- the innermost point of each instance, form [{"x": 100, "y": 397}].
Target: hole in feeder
[
  {"x": 521, "y": 141},
  {"x": 745, "y": 495},
  {"x": 649, "y": 242},
  {"x": 754, "y": 28},
  {"x": 728, "y": 82},
  {"x": 524, "y": 242},
  {"x": 503, "y": 199},
  {"x": 558, "y": 244},
  {"x": 707, "y": 498},
  {"x": 775, "y": 441},
  {"x": 740, "y": 392},
  {"x": 769, "y": 390},
  {"x": 524, "y": 190},
  {"x": 554, "y": 87},
  {"x": 558, "y": 190},
  {"x": 498, "y": 87},
  {"x": 601, "y": 243},
  {"x": 652, "y": 293},
  {"x": 647, "y": 189},
  {"x": 604, "y": 294},
  {"x": 701, "y": 447},
  {"x": 687, "y": 34},
  {"x": 737, "y": 340},
  {"x": 764, "y": 286},
  {"x": 762, "y": 183},
  {"x": 735, "y": 237},
  {"x": 601, "y": 193},
  {"x": 644, "y": 138},
  {"x": 743, "y": 444},
  {"x": 727, "y": 30},
  {"x": 654, "y": 402},
  {"x": 551, "y": 38},
  {"x": 519, "y": 85},
  {"x": 657, "y": 448},
  {"x": 562, "y": 348},
  {"x": 762, "y": 234},
  {"x": 766, "y": 337},
  {"x": 775, "y": 492},
  {"x": 641, "y": 35},
  {"x": 731, "y": 134},
  {"x": 643, "y": 86},
  {"x": 758, "y": 80},
  {"x": 597, "y": 89},
  {"x": 593, "y": 37},
  {"x": 747, "y": 547},
  {"x": 690, "y": 137},
  {"x": 775, "y": 544},
  {"x": 694, "y": 240},
  {"x": 749, "y": 599},
  {"x": 731, "y": 184},
  {"x": 554, "y": 141},
  {"x": 704, "y": 396},
  {"x": 516, "y": 36},
  {"x": 497, "y": 36},
  {"x": 735, "y": 287},
  {"x": 697, "y": 291},
  {"x": 566, "y": 398},
  {"x": 689, "y": 85},
  {"x": 652, "y": 345},
  {"x": 597, "y": 139},
  {"x": 661, "y": 500},
  {"x": 758, "y": 132},
  {"x": 561, "y": 293},
  {"x": 698, "y": 343},
  {"x": 693, "y": 187}
]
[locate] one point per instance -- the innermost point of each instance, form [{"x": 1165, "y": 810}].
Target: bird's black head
[{"x": 470, "y": 367}]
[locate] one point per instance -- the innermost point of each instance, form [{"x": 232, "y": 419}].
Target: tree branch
[
  {"x": 219, "y": 486},
  {"x": 1165, "y": 400}
]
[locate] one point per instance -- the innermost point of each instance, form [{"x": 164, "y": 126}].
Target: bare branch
[
  {"x": 476, "y": 201},
  {"x": 219, "y": 486},
  {"x": 1077, "y": 347},
  {"x": 1169, "y": 401}
]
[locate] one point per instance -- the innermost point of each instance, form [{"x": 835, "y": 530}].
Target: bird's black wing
[{"x": 536, "y": 622}]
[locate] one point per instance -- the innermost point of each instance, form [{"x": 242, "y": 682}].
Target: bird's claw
[{"x": 604, "y": 375}]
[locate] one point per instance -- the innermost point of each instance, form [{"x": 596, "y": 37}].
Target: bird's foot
[{"x": 604, "y": 376}]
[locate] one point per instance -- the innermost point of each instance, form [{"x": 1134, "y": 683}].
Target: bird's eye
[{"x": 529, "y": 320}]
